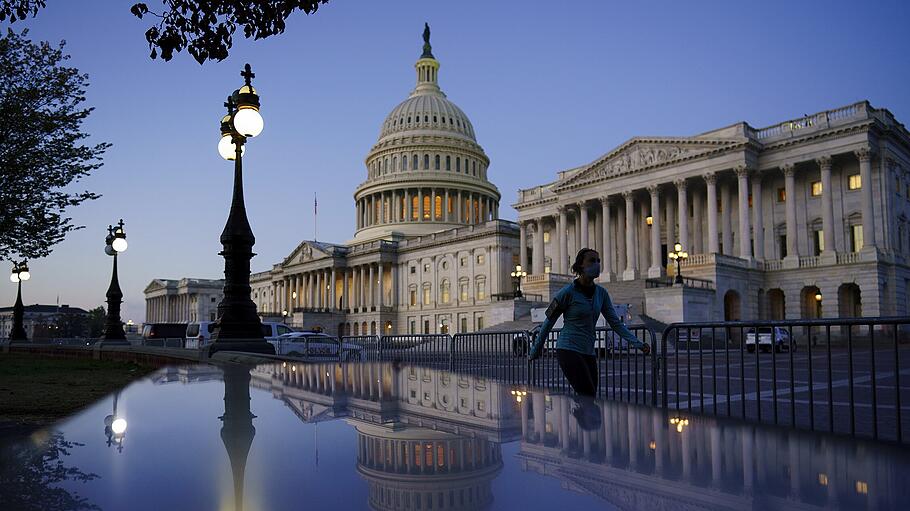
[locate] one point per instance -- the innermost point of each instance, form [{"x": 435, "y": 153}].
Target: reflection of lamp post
[
  {"x": 237, "y": 429},
  {"x": 238, "y": 327},
  {"x": 115, "y": 427},
  {"x": 20, "y": 273},
  {"x": 113, "y": 327},
  {"x": 518, "y": 274},
  {"x": 680, "y": 423},
  {"x": 678, "y": 254}
]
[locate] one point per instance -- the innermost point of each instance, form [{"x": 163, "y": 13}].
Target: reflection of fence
[{"x": 837, "y": 375}]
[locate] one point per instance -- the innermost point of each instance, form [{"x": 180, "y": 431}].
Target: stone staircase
[{"x": 628, "y": 291}]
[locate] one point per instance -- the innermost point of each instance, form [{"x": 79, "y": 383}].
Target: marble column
[
  {"x": 381, "y": 285},
  {"x": 758, "y": 219},
  {"x": 362, "y": 299},
  {"x": 865, "y": 175},
  {"x": 607, "y": 251},
  {"x": 371, "y": 288},
  {"x": 697, "y": 237},
  {"x": 538, "y": 260},
  {"x": 631, "y": 272},
  {"x": 445, "y": 207},
  {"x": 620, "y": 239},
  {"x": 682, "y": 202},
  {"x": 583, "y": 225},
  {"x": 523, "y": 245},
  {"x": 726, "y": 218},
  {"x": 711, "y": 183},
  {"x": 745, "y": 235},
  {"x": 670, "y": 208},
  {"x": 790, "y": 201},
  {"x": 333, "y": 291},
  {"x": 562, "y": 243},
  {"x": 656, "y": 269},
  {"x": 420, "y": 209}
]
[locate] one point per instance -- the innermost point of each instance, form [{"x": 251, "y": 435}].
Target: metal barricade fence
[
  {"x": 834, "y": 375},
  {"x": 496, "y": 355},
  {"x": 433, "y": 350},
  {"x": 624, "y": 373},
  {"x": 368, "y": 346}
]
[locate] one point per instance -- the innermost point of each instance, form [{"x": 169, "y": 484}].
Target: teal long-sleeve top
[{"x": 580, "y": 315}]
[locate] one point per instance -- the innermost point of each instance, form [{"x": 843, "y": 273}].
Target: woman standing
[{"x": 581, "y": 303}]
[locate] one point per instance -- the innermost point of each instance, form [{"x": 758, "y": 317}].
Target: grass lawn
[{"x": 37, "y": 391}]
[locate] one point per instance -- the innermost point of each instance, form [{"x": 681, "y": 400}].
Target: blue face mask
[{"x": 592, "y": 271}]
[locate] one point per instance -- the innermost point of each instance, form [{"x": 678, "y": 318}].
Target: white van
[{"x": 199, "y": 334}]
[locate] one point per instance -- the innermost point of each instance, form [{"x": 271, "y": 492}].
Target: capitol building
[{"x": 806, "y": 218}]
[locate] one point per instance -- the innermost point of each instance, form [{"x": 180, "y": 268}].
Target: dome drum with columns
[{"x": 426, "y": 172}]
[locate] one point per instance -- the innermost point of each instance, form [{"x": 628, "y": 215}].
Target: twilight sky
[{"x": 547, "y": 87}]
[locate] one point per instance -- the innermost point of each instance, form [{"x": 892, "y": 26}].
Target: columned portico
[
  {"x": 745, "y": 239},
  {"x": 631, "y": 271},
  {"x": 656, "y": 269},
  {"x": 682, "y": 202}
]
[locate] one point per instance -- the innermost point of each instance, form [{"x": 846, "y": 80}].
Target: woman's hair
[{"x": 580, "y": 260}]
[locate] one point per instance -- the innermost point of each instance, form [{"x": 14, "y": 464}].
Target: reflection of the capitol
[
  {"x": 427, "y": 439},
  {"x": 642, "y": 458}
]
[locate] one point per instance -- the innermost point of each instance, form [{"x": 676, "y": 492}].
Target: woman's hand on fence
[
  {"x": 645, "y": 348},
  {"x": 534, "y": 354}
]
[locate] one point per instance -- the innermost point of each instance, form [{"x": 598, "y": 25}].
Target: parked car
[
  {"x": 271, "y": 330},
  {"x": 171, "y": 335},
  {"x": 781, "y": 339},
  {"x": 316, "y": 346},
  {"x": 199, "y": 333}
]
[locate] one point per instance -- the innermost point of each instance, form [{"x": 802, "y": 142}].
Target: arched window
[
  {"x": 444, "y": 291},
  {"x": 426, "y": 207},
  {"x": 463, "y": 290},
  {"x": 474, "y": 168},
  {"x": 415, "y": 204},
  {"x": 426, "y": 162},
  {"x": 414, "y": 162},
  {"x": 426, "y": 118},
  {"x": 481, "y": 288},
  {"x": 404, "y": 162},
  {"x": 394, "y": 163},
  {"x": 457, "y": 164},
  {"x": 437, "y": 207},
  {"x": 436, "y": 162},
  {"x": 409, "y": 119},
  {"x": 443, "y": 120},
  {"x": 434, "y": 119},
  {"x": 427, "y": 293},
  {"x": 448, "y": 163}
]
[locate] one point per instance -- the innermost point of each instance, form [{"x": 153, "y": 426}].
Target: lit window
[
  {"x": 463, "y": 292},
  {"x": 854, "y": 182},
  {"x": 481, "y": 289},
  {"x": 445, "y": 291},
  {"x": 426, "y": 268},
  {"x": 819, "y": 245},
  {"x": 816, "y": 188},
  {"x": 856, "y": 238},
  {"x": 479, "y": 258},
  {"x": 781, "y": 195},
  {"x": 546, "y": 236},
  {"x": 862, "y": 487},
  {"x": 426, "y": 295},
  {"x": 413, "y": 297},
  {"x": 823, "y": 479}
]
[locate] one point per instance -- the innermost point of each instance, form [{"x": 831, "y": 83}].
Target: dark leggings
[{"x": 580, "y": 370}]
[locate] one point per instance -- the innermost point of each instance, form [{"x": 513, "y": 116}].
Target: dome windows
[
  {"x": 436, "y": 162},
  {"x": 414, "y": 163},
  {"x": 426, "y": 162},
  {"x": 448, "y": 163},
  {"x": 426, "y": 118},
  {"x": 457, "y": 164}
]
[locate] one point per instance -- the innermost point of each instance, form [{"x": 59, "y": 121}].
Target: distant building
[
  {"x": 47, "y": 322},
  {"x": 182, "y": 301}
]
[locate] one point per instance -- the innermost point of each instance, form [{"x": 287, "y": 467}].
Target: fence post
[
  {"x": 655, "y": 366},
  {"x": 452, "y": 352}
]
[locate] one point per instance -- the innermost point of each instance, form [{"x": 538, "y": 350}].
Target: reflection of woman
[{"x": 581, "y": 303}]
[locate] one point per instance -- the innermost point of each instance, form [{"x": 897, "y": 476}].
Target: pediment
[
  {"x": 156, "y": 285},
  {"x": 306, "y": 251},
  {"x": 638, "y": 154}
]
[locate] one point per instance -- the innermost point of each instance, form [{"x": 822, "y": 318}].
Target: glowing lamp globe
[
  {"x": 119, "y": 244},
  {"x": 14, "y": 277},
  {"x": 248, "y": 122},
  {"x": 227, "y": 149},
  {"x": 24, "y": 275},
  {"x": 118, "y": 427}
]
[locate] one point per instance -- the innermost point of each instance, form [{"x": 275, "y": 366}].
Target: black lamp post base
[{"x": 247, "y": 346}]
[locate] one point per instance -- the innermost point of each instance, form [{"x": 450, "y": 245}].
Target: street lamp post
[
  {"x": 19, "y": 274},
  {"x": 113, "y": 327},
  {"x": 238, "y": 327},
  {"x": 678, "y": 254},
  {"x": 518, "y": 274}
]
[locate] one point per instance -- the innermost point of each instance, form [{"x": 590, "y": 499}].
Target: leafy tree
[
  {"x": 42, "y": 150},
  {"x": 96, "y": 322},
  {"x": 205, "y": 28},
  {"x": 30, "y": 475}
]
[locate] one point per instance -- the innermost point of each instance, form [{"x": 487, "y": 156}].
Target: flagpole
[{"x": 315, "y": 214}]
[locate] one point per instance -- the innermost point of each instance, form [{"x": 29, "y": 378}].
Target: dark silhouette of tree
[
  {"x": 28, "y": 474},
  {"x": 205, "y": 28},
  {"x": 96, "y": 318},
  {"x": 42, "y": 153}
]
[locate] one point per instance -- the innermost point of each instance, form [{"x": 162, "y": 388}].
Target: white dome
[{"x": 427, "y": 111}]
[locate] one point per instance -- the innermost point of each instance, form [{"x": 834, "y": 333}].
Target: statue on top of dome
[{"x": 427, "y": 53}]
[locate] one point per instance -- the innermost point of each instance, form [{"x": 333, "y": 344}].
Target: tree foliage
[
  {"x": 30, "y": 476},
  {"x": 96, "y": 318},
  {"x": 205, "y": 28},
  {"x": 42, "y": 149}
]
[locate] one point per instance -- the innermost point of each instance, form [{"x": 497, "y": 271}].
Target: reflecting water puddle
[{"x": 378, "y": 436}]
